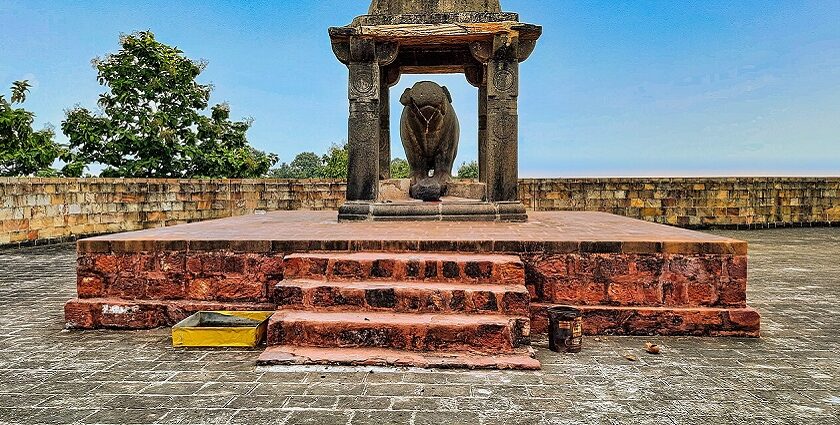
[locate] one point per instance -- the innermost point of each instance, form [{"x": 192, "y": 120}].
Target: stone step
[
  {"x": 283, "y": 355},
  {"x": 429, "y": 267},
  {"x": 402, "y": 297},
  {"x": 491, "y": 334}
]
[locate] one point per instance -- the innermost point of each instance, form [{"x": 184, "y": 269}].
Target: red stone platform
[{"x": 423, "y": 287}]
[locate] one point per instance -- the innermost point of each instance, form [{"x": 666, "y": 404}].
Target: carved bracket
[
  {"x": 358, "y": 49},
  {"x": 503, "y": 47},
  {"x": 386, "y": 53},
  {"x": 475, "y": 75},
  {"x": 341, "y": 50},
  {"x": 391, "y": 75},
  {"x": 481, "y": 51}
]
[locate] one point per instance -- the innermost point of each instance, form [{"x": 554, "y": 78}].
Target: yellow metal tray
[{"x": 221, "y": 329}]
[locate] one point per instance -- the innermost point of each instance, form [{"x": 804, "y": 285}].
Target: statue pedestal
[
  {"x": 465, "y": 201},
  {"x": 448, "y": 209}
]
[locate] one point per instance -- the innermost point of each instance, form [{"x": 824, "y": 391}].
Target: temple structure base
[
  {"x": 447, "y": 210},
  {"x": 457, "y": 294}
]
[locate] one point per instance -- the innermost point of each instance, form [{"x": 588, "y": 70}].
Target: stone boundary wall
[
  {"x": 40, "y": 210},
  {"x": 701, "y": 202}
]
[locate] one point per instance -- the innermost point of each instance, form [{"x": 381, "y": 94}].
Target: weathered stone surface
[
  {"x": 131, "y": 204},
  {"x": 638, "y": 279},
  {"x": 487, "y": 334},
  {"x": 450, "y": 210},
  {"x": 167, "y": 275},
  {"x": 400, "y": 7},
  {"x": 642, "y": 320},
  {"x": 402, "y": 297},
  {"x": 396, "y": 308},
  {"x": 429, "y": 267},
  {"x": 430, "y": 132},
  {"x": 296, "y": 355},
  {"x": 115, "y": 313},
  {"x": 662, "y": 267}
]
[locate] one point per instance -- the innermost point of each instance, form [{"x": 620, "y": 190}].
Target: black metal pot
[{"x": 565, "y": 329}]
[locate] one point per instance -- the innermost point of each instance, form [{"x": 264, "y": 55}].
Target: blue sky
[{"x": 614, "y": 88}]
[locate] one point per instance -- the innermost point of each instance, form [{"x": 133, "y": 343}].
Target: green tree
[
  {"x": 23, "y": 150},
  {"x": 468, "y": 170},
  {"x": 306, "y": 165},
  {"x": 335, "y": 162},
  {"x": 151, "y": 123},
  {"x": 400, "y": 169}
]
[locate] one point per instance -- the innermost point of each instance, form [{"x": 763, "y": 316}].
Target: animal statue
[{"x": 429, "y": 130}]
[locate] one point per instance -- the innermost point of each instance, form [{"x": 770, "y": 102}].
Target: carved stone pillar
[
  {"x": 390, "y": 76},
  {"x": 384, "y": 130},
  {"x": 476, "y": 75},
  {"x": 482, "y": 132},
  {"x": 365, "y": 125},
  {"x": 499, "y": 164}
]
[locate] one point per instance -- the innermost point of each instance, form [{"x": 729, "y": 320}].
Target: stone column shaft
[
  {"x": 384, "y": 129},
  {"x": 364, "y": 124},
  {"x": 501, "y": 163},
  {"x": 482, "y": 132}
]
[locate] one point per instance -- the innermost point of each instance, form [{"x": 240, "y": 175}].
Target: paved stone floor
[{"x": 791, "y": 375}]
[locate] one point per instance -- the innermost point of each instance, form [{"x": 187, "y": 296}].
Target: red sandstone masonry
[
  {"x": 412, "y": 332},
  {"x": 663, "y": 321},
  {"x": 168, "y": 275},
  {"x": 112, "y": 313},
  {"x": 638, "y": 279},
  {"x": 402, "y": 297},
  {"x": 702, "y": 278},
  {"x": 437, "y": 267}
]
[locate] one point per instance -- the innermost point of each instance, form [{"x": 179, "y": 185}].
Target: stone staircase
[{"x": 397, "y": 309}]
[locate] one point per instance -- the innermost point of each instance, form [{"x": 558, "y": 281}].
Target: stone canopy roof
[
  {"x": 400, "y": 7},
  {"x": 402, "y": 12}
]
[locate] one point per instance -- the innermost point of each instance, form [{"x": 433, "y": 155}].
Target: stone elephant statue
[{"x": 430, "y": 131}]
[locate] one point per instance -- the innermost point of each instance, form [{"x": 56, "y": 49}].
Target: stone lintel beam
[{"x": 439, "y": 34}]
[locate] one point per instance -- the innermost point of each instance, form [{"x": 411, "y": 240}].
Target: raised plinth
[
  {"x": 446, "y": 210},
  {"x": 630, "y": 276}
]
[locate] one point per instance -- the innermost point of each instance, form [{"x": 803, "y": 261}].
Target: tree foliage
[
  {"x": 400, "y": 169},
  {"x": 468, "y": 170},
  {"x": 332, "y": 165},
  {"x": 23, "y": 150},
  {"x": 151, "y": 123},
  {"x": 308, "y": 165},
  {"x": 335, "y": 162}
]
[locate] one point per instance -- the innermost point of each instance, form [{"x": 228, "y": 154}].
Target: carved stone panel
[
  {"x": 501, "y": 153},
  {"x": 364, "y": 130},
  {"x": 363, "y": 156},
  {"x": 364, "y": 82}
]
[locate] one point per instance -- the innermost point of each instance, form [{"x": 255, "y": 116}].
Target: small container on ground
[
  {"x": 221, "y": 329},
  {"x": 565, "y": 329}
]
